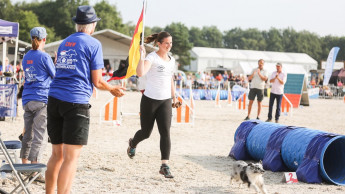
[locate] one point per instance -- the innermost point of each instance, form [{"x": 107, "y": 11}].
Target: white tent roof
[
  {"x": 111, "y": 34},
  {"x": 251, "y": 55}
]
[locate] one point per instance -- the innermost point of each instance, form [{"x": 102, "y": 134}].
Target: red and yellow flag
[
  {"x": 128, "y": 67},
  {"x": 134, "y": 52}
]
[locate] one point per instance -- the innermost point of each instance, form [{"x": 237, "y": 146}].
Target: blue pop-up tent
[{"x": 8, "y": 31}]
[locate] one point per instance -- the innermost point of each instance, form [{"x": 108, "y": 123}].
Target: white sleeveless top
[{"x": 158, "y": 78}]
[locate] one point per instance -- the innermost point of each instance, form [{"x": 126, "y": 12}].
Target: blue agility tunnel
[{"x": 313, "y": 154}]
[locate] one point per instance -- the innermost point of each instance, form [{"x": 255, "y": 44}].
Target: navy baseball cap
[
  {"x": 39, "y": 32},
  {"x": 85, "y": 15}
]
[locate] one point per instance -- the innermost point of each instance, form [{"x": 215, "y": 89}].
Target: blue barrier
[
  {"x": 313, "y": 153},
  {"x": 201, "y": 94}
]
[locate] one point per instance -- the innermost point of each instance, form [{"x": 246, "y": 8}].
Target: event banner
[
  {"x": 8, "y": 100},
  {"x": 330, "y": 63}
]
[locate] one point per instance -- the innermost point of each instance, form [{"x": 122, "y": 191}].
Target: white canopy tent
[
  {"x": 8, "y": 31},
  {"x": 243, "y": 61}
]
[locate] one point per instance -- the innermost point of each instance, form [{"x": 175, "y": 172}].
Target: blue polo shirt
[
  {"x": 77, "y": 55},
  {"x": 39, "y": 70}
]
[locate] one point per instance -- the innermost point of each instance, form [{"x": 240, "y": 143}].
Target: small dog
[{"x": 249, "y": 173}]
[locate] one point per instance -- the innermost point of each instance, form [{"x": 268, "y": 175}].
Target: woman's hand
[
  {"x": 176, "y": 104},
  {"x": 142, "y": 52}
]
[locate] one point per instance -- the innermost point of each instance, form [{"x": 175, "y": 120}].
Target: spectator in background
[
  {"x": 278, "y": 79},
  {"x": 225, "y": 79},
  {"x": 219, "y": 79},
  {"x": 19, "y": 71},
  {"x": 313, "y": 82},
  {"x": 0, "y": 68},
  {"x": 340, "y": 84},
  {"x": 189, "y": 80},
  {"x": 258, "y": 78}
]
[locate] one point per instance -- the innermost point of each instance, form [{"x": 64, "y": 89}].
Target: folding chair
[
  {"x": 13, "y": 148},
  {"x": 22, "y": 172}
]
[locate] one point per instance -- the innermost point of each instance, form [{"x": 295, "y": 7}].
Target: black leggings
[{"x": 161, "y": 111}]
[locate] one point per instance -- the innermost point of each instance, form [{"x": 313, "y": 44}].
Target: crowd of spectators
[{"x": 208, "y": 80}]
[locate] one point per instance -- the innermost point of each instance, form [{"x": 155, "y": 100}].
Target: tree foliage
[
  {"x": 110, "y": 18},
  {"x": 181, "y": 44},
  {"x": 56, "y": 17}
]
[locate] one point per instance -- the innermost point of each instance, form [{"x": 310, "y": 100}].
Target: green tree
[
  {"x": 156, "y": 29},
  {"x": 56, "y": 14},
  {"x": 212, "y": 36},
  {"x": 196, "y": 37},
  {"x": 253, "y": 39},
  {"x": 233, "y": 38},
  {"x": 110, "y": 18},
  {"x": 274, "y": 40},
  {"x": 181, "y": 44}
]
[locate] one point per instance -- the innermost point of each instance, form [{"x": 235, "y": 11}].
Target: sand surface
[{"x": 199, "y": 156}]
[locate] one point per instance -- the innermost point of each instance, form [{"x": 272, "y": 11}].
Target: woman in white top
[{"x": 158, "y": 67}]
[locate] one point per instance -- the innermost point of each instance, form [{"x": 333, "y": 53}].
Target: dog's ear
[{"x": 260, "y": 161}]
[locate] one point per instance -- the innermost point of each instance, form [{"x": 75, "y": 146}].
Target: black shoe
[
  {"x": 268, "y": 120},
  {"x": 165, "y": 171},
  {"x": 247, "y": 118},
  {"x": 21, "y": 137},
  {"x": 257, "y": 118},
  {"x": 130, "y": 149},
  {"x": 277, "y": 121}
]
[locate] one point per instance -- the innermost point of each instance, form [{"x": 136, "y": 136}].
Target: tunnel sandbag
[
  {"x": 295, "y": 144},
  {"x": 272, "y": 159},
  {"x": 258, "y": 138},
  {"x": 332, "y": 161},
  {"x": 239, "y": 149},
  {"x": 308, "y": 171}
]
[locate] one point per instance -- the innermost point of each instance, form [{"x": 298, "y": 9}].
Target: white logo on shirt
[
  {"x": 66, "y": 58},
  {"x": 161, "y": 68},
  {"x": 30, "y": 74}
]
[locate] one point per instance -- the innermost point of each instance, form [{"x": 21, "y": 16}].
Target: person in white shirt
[
  {"x": 278, "y": 79},
  {"x": 258, "y": 78},
  {"x": 155, "y": 105}
]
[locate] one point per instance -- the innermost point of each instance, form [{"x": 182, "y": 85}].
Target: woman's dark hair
[{"x": 158, "y": 37}]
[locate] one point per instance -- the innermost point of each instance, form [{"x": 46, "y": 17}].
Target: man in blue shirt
[{"x": 78, "y": 68}]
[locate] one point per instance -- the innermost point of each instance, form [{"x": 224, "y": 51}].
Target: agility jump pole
[
  {"x": 217, "y": 98},
  {"x": 95, "y": 93},
  {"x": 238, "y": 102},
  {"x": 116, "y": 116},
  {"x": 189, "y": 109},
  {"x": 121, "y": 105},
  {"x": 229, "y": 95},
  {"x": 286, "y": 104}
]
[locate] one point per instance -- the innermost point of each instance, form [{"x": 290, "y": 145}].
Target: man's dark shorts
[
  {"x": 256, "y": 92},
  {"x": 68, "y": 123}
]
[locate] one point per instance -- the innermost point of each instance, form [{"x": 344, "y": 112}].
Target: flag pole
[{"x": 144, "y": 13}]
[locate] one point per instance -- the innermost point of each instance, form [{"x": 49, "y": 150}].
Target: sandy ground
[{"x": 199, "y": 156}]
